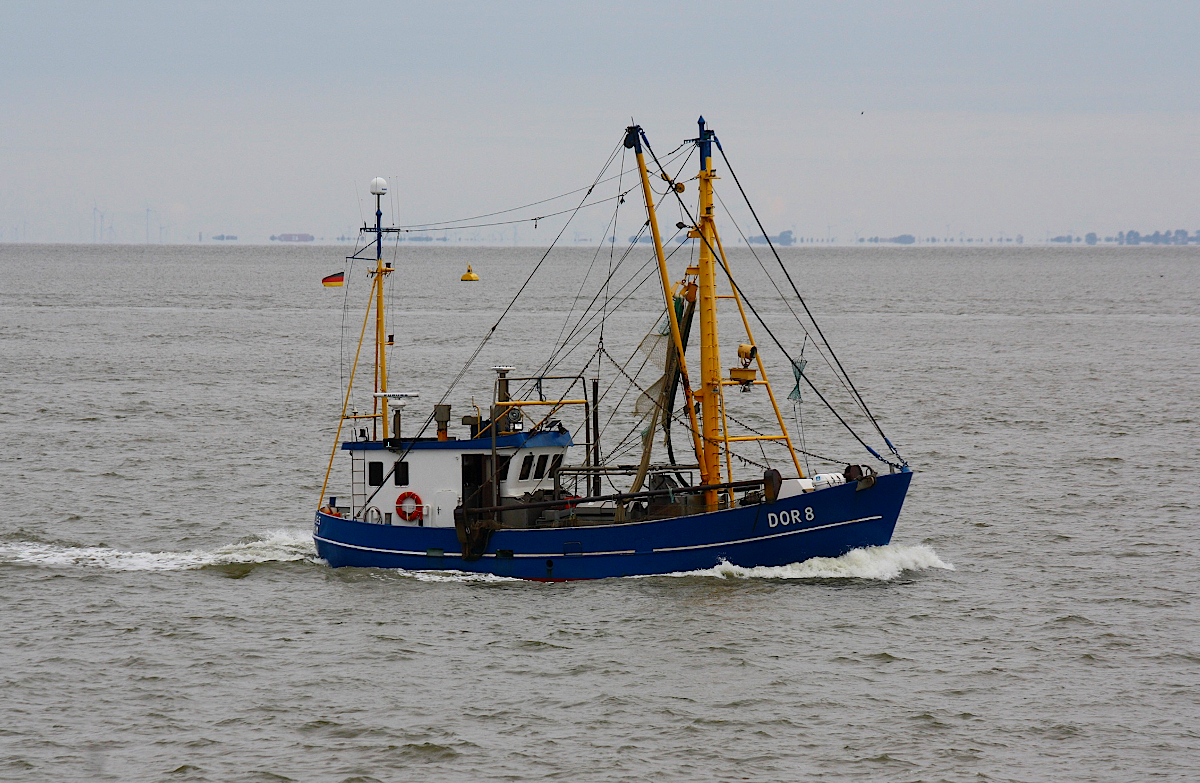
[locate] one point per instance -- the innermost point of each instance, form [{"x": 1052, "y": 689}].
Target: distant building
[{"x": 783, "y": 239}]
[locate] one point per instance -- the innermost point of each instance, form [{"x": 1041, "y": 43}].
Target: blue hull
[{"x": 826, "y": 523}]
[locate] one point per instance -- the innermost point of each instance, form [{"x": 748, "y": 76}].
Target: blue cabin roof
[{"x": 515, "y": 440}]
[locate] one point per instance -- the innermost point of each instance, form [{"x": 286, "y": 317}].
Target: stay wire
[
  {"x": 763, "y": 323},
  {"x": 535, "y": 219},
  {"x": 447, "y": 223},
  {"x": 788, "y": 304},
  {"x": 588, "y": 314},
  {"x": 612, "y": 246},
  {"x": 796, "y": 291},
  {"x": 558, "y": 341}
]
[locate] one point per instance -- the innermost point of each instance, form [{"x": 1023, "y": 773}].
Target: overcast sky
[{"x": 875, "y": 117}]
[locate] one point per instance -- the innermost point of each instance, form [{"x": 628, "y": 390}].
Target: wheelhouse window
[
  {"x": 526, "y": 466},
  {"x": 555, "y": 464},
  {"x": 502, "y": 472},
  {"x": 541, "y": 466},
  {"x": 375, "y": 473},
  {"x": 401, "y": 474}
]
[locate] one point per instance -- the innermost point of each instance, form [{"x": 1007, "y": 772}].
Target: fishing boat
[{"x": 525, "y": 488}]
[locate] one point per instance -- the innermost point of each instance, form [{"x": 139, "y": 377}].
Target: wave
[
  {"x": 276, "y": 546},
  {"x": 881, "y": 563}
]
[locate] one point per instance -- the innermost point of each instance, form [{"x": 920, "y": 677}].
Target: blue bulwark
[{"x": 516, "y": 440}]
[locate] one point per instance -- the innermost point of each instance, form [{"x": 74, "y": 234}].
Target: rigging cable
[
  {"x": 534, "y": 219},
  {"x": 560, "y": 341},
  {"x": 488, "y": 336},
  {"x": 447, "y": 226},
  {"x": 791, "y": 282},
  {"x": 590, "y": 315},
  {"x": 733, "y": 454},
  {"x": 763, "y": 323},
  {"x": 788, "y": 304}
]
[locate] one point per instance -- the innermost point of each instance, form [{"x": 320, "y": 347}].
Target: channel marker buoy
[{"x": 470, "y": 275}]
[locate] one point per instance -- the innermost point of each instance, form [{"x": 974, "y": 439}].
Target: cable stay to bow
[
  {"x": 858, "y": 396},
  {"x": 778, "y": 344}
]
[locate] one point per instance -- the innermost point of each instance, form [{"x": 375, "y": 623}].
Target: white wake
[
  {"x": 276, "y": 546},
  {"x": 882, "y": 563}
]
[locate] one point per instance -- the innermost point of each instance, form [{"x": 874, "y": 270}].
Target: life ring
[{"x": 414, "y": 512}]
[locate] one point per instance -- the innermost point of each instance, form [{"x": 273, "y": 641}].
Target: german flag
[{"x": 334, "y": 280}]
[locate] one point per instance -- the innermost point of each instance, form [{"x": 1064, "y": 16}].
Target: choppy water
[{"x": 166, "y": 416}]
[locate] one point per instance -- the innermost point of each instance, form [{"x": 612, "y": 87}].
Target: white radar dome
[{"x": 378, "y": 186}]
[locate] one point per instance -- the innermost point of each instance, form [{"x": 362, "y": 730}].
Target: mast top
[
  {"x": 632, "y": 142},
  {"x": 705, "y": 140},
  {"x": 378, "y": 186}
]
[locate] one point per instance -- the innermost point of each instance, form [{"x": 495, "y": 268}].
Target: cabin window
[
  {"x": 502, "y": 472},
  {"x": 541, "y": 466},
  {"x": 555, "y": 464},
  {"x": 526, "y": 465},
  {"x": 375, "y": 473},
  {"x": 401, "y": 474}
]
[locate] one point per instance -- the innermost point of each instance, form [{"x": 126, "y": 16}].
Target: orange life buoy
[{"x": 406, "y": 512}]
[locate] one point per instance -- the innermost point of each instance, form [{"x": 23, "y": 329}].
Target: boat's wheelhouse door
[{"x": 476, "y": 488}]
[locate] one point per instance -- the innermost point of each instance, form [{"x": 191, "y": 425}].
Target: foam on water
[
  {"x": 454, "y": 576},
  {"x": 271, "y": 547},
  {"x": 882, "y": 563}
]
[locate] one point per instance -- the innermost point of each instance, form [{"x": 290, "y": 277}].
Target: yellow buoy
[{"x": 470, "y": 275}]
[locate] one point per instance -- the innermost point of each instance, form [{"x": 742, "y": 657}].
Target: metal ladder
[{"x": 358, "y": 482}]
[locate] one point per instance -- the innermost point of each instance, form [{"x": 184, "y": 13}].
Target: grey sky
[{"x": 880, "y": 117}]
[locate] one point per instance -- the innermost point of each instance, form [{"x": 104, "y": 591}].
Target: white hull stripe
[
  {"x": 772, "y": 535},
  {"x": 619, "y": 552},
  {"x": 376, "y": 549}
]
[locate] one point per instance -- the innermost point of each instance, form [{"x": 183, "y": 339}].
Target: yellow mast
[
  {"x": 710, "y": 352},
  {"x": 378, "y": 188},
  {"x": 710, "y": 432},
  {"x": 381, "y": 343}
]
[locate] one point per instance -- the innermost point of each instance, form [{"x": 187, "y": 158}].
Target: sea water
[{"x": 167, "y": 415}]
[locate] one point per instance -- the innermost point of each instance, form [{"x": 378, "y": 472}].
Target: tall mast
[
  {"x": 379, "y": 188},
  {"x": 710, "y": 354}
]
